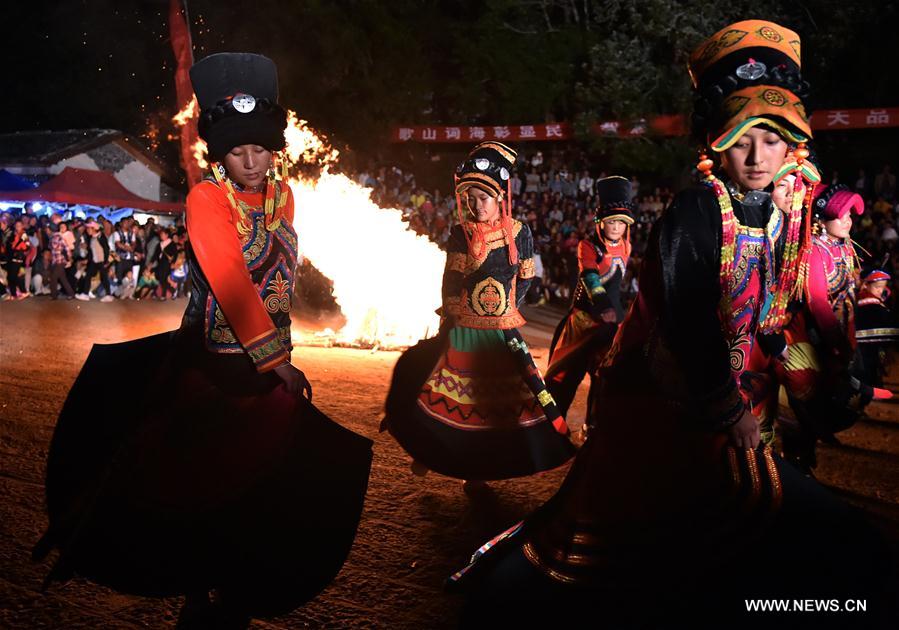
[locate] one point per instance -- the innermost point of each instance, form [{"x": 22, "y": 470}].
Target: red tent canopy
[{"x": 93, "y": 188}]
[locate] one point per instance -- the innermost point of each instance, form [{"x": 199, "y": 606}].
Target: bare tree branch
[
  {"x": 520, "y": 31},
  {"x": 549, "y": 24}
]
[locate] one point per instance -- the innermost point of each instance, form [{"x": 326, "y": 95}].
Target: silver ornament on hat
[
  {"x": 752, "y": 70},
  {"x": 244, "y": 103}
]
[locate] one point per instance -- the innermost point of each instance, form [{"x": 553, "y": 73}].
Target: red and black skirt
[
  {"x": 467, "y": 404},
  {"x": 579, "y": 345}
]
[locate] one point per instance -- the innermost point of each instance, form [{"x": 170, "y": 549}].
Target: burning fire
[
  {"x": 386, "y": 278},
  {"x": 187, "y": 112},
  {"x": 304, "y": 145},
  {"x": 199, "y": 148}
]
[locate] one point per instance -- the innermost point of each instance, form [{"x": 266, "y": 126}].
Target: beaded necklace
[
  {"x": 793, "y": 280},
  {"x": 276, "y": 174},
  {"x": 786, "y": 286}
]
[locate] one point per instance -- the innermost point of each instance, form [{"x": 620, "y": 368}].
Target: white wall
[
  {"x": 82, "y": 160},
  {"x": 140, "y": 180},
  {"x": 134, "y": 176}
]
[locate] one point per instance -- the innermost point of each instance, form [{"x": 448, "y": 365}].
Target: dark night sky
[{"x": 108, "y": 63}]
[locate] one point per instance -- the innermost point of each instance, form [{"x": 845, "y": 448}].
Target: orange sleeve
[
  {"x": 586, "y": 256},
  {"x": 288, "y": 207},
  {"x": 213, "y": 237}
]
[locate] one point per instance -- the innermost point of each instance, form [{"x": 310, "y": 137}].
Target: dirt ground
[{"x": 414, "y": 531}]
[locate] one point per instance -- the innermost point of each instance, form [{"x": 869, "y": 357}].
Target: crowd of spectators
[
  {"x": 554, "y": 195},
  {"x": 875, "y": 232},
  {"x": 90, "y": 259}
]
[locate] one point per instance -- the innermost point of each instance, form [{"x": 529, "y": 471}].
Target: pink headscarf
[{"x": 833, "y": 202}]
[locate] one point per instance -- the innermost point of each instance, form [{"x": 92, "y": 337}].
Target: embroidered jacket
[
  {"x": 601, "y": 267},
  {"x": 243, "y": 272},
  {"x": 482, "y": 289},
  {"x": 692, "y": 339},
  {"x": 831, "y": 292}
]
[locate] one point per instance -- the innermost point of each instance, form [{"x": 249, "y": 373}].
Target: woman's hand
[
  {"x": 745, "y": 433},
  {"x": 294, "y": 380}
]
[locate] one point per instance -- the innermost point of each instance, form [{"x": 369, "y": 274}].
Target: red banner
[
  {"x": 835, "y": 119},
  {"x": 670, "y": 125},
  {"x": 184, "y": 58},
  {"x": 503, "y": 133}
]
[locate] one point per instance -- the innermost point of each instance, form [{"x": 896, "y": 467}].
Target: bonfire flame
[
  {"x": 386, "y": 278},
  {"x": 304, "y": 145}
]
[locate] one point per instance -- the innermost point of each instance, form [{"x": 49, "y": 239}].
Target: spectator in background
[
  {"x": 96, "y": 264},
  {"x": 19, "y": 252},
  {"x": 885, "y": 184},
  {"x": 146, "y": 284},
  {"x": 532, "y": 179},
  {"x": 569, "y": 187},
  {"x": 123, "y": 244},
  {"x": 167, "y": 253},
  {"x": 516, "y": 185},
  {"x": 585, "y": 184},
  {"x": 861, "y": 184},
  {"x": 126, "y": 288},
  {"x": 61, "y": 261},
  {"x": 151, "y": 247},
  {"x": 178, "y": 276},
  {"x": 555, "y": 186},
  {"x": 40, "y": 274},
  {"x": 426, "y": 209},
  {"x": 68, "y": 238},
  {"x": 417, "y": 199}
]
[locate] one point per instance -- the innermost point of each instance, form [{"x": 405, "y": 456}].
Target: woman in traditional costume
[
  {"x": 585, "y": 334},
  {"x": 823, "y": 394},
  {"x": 672, "y": 513},
  {"x": 470, "y": 403},
  {"x": 875, "y": 328},
  {"x": 222, "y": 476}
]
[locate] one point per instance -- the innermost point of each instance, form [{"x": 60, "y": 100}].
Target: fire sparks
[{"x": 386, "y": 278}]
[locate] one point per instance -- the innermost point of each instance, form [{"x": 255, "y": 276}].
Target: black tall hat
[
  {"x": 238, "y": 98},
  {"x": 488, "y": 166},
  {"x": 614, "y": 200}
]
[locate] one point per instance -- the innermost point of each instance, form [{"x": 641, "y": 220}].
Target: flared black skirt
[{"x": 173, "y": 469}]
